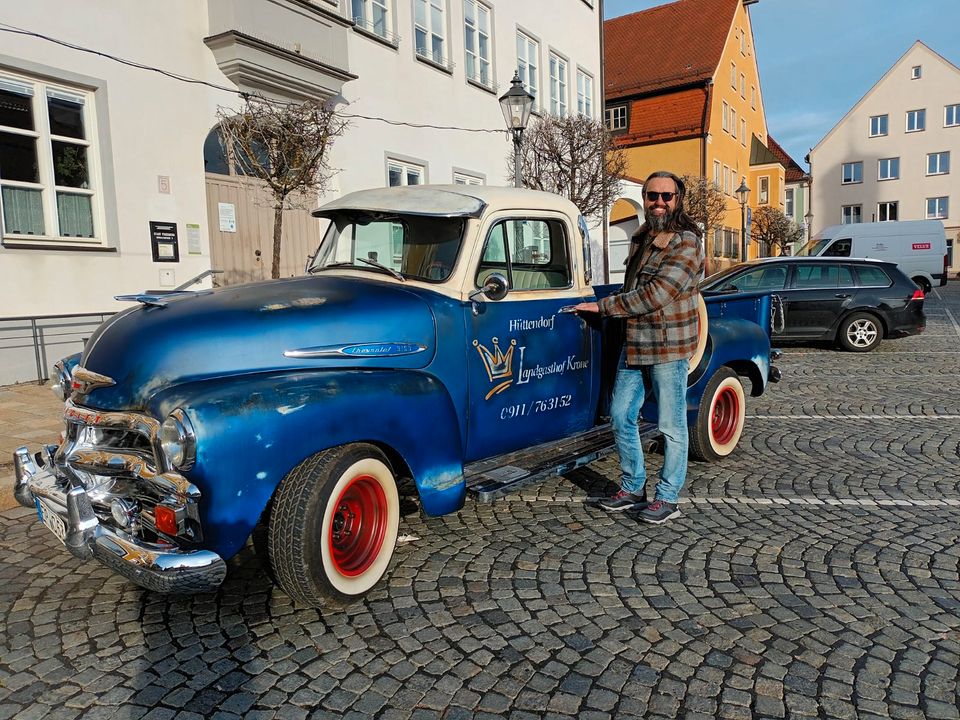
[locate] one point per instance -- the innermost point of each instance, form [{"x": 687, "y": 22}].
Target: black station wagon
[{"x": 855, "y": 303}]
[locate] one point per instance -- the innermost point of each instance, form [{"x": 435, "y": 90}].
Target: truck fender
[{"x": 251, "y": 431}]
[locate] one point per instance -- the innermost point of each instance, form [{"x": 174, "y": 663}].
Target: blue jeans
[{"x": 670, "y": 388}]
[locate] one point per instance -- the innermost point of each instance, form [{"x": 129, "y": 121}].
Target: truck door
[{"x": 530, "y": 367}]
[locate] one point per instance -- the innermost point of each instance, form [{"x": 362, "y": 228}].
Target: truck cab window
[{"x": 532, "y": 254}]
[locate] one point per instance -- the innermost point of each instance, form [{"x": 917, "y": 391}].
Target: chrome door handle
[{"x": 842, "y": 295}]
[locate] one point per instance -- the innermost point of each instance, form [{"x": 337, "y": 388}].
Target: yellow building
[{"x": 682, "y": 93}]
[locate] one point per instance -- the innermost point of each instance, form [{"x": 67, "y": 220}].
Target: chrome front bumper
[{"x": 157, "y": 568}]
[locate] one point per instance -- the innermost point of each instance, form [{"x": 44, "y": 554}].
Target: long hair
[{"x": 680, "y": 221}]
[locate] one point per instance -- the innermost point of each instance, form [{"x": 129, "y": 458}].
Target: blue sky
[{"x": 817, "y": 58}]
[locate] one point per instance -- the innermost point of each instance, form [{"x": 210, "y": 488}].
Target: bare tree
[
  {"x": 707, "y": 205},
  {"x": 287, "y": 146},
  {"x": 772, "y": 229},
  {"x": 572, "y": 156}
]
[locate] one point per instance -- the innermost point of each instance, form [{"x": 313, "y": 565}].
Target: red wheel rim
[
  {"x": 725, "y": 416},
  {"x": 359, "y": 526}
]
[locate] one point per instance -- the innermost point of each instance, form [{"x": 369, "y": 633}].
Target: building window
[
  {"x": 373, "y": 16},
  {"x": 584, "y": 94},
  {"x": 915, "y": 72},
  {"x": 476, "y": 41},
  {"x": 717, "y": 182},
  {"x": 951, "y": 116},
  {"x": 733, "y": 122},
  {"x": 878, "y": 125},
  {"x": 743, "y": 42},
  {"x": 429, "y": 30},
  {"x": 725, "y": 110},
  {"x": 938, "y": 163},
  {"x": 887, "y": 211},
  {"x": 937, "y": 208},
  {"x": 852, "y": 173},
  {"x": 462, "y": 178},
  {"x": 726, "y": 179},
  {"x": 764, "y": 194},
  {"x": 743, "y": 132},
  {"x": 400, "y": 172},
  {"x": 753, "y": 97},
  {"x": 616, "y": 117},
  {"x": 48, "y": 183},
  {"x": 889, "y": 169},
  {"x": 528, "y": 63},
  {"x": 852, "y": 214},
  {"x": 733, "y": 75},
  {"x": 916, "y": 120},
  {"x": 558, "y": 85},
  {"x": 743, "y": 85},
  {"x": 788, "y": 203}
]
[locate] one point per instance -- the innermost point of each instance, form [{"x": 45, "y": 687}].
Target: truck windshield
[
  {"x": 409, "y": 246},
  {"x": 814, "y": 247}
]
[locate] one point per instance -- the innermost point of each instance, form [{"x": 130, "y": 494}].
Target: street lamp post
[
  {"x": 516, "y": 104},
  {"x": 743, "y": 193},
  {"x": 808, "y": 218}
]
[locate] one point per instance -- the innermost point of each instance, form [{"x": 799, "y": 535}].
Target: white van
[{"x": 919, "y": 247}]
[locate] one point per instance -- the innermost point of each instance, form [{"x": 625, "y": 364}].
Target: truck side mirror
[{"x": 495, "y": 287}]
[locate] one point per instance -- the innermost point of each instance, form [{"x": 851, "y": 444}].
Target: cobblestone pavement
[{"x": 812, "y": 574}]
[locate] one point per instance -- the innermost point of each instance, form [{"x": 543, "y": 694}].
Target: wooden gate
[{"x": 246, "y": 255}]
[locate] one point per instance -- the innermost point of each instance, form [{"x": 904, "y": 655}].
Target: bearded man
[{"x": 659, "y": 300}]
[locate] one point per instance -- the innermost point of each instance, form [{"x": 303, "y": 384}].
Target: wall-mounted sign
[
  {"x": 228, "y": 217},
  {"x": 193, "y": 239},
  {"x": 163, "y": 241}
]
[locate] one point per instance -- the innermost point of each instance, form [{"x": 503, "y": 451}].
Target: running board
[{"x": 503, "y": 474}]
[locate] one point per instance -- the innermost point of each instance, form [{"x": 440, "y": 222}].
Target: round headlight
[
  {"x": 177, "y": 440},
  {"x": 60, "y": 381}
]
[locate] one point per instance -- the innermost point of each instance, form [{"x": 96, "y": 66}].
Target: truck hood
[{"x": 294, "y": 324}]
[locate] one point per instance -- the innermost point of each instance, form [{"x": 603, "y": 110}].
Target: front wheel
[
  {"x": 720, "y": 418},
  {"x": 333, "y": 525},
  {"x": 861, "y": 332}
]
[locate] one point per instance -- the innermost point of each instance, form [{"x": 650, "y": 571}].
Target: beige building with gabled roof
[{"x": 893, "y": 156}]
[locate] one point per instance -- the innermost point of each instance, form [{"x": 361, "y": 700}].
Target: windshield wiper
[
  {"x": 381, "y": 266},
  {"x": 320, "y": 268}
]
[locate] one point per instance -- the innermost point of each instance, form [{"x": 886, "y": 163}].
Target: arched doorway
[
  {"x": 240, "y": 218},
  {"x": 626, "y": 215}
]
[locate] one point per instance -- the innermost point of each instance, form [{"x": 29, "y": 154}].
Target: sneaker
[
  {"x": 623, "y": 500},
  {"x": 659, "y": 511}
]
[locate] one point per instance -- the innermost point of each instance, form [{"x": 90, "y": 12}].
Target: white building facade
[
  {"x": 892, "y": 156},
  {"x": 109, "y": 182}
]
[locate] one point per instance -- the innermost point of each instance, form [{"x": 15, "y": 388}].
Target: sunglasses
[{"x": 653, "y": 196}]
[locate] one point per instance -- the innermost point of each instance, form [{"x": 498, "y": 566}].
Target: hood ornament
[{"x": 84, "y": 381}]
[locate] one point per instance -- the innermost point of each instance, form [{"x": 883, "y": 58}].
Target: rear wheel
[
  {"x": 333, "y": 525},
  {"x": 923, "y": 284},
  {"x": 861, "y": 332},
  {"x": 720, "y": 418}
]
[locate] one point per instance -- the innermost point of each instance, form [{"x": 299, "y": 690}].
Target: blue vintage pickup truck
[{"x": 429, "y": 346}]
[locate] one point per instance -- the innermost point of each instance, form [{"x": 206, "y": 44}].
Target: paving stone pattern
[{"x": 812, "y": 574}]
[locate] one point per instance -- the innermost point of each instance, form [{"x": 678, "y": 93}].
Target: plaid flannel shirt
[{"x": 659, "y": 299}]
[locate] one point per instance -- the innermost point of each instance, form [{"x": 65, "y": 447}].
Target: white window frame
[
  {"x": 717, "y": 174},
  {"x": 753, "y": 97},
  {"x": 743, "y": 132},
  {"x": 733, "y": 123},
  {"x": 916, "y": 72},
  {"x": 613, "y": 116},
  {"x": 40, "y": 91},
  {"x": 733, "y": 75},
  {"x": 584, "y": 93},
  {"x": 852, "y": 165},
  {"x": 851, "y": 214},
  {"x": 725, "y": 110},
  {"x": 559, "y": 70},
  {"x": 763, "y": 191},
  {"x": 888, "y": 169},
  {"x": 789, "y": 203},
  {"x": 941, "y": 208},
  {"x": 949, "y": 110},
  {"x": 483, "y": 64},
  {"x": 743, "y": 41},
  {"x": 434, "y": 29},
  {"x": 461, "y": 177},
  {"x": 406, "y": 167},
  {"x": 919, "y": 118},
  {"x": 726, "y": 180},
  {"x": 743, "y": 86},
  {"x": 529, "y": 67},
  {"x": 887, "y": 205},
  {"x": 882, "y": 123},
  {"x": 365, "y": 20},
  {"x": 942, "y": 162}
]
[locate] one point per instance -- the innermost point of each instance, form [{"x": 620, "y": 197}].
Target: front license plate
[{"x": 49, "y": 517}]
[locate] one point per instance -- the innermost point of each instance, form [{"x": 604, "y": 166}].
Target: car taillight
[{"x": 917, "y": 294}]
